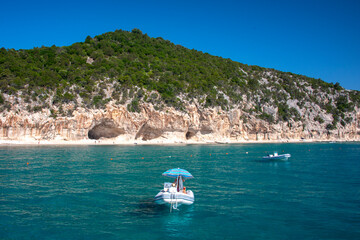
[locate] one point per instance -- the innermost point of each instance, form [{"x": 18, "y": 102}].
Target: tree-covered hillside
[{"x": 131, "y": 67}]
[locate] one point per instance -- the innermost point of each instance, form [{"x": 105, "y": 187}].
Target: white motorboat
[
  {"x": 277, "y": 157},
  {"x": 175, "y": 193}
]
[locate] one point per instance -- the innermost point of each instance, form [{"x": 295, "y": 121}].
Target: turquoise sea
[{"x": 106, "y": 192}]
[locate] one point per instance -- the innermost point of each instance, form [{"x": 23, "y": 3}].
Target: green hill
[{"x": 131, "y": 68}]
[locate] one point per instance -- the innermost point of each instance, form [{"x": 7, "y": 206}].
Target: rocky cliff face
[{"x": 193, "y": 125}]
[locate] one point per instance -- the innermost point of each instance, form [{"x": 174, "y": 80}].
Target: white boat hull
[
  {"x": 165, "y": 197},
  {"x": 283, "y": 157}
]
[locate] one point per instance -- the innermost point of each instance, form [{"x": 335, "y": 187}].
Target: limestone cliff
[{"x": 169, "y": 125}]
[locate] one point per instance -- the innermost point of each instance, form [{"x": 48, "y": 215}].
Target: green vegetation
[
  {"x": 267, "y": 117},
  {"x": 131, "y": 67},
  {"x": 319, "y": 119},
  {"x": 285, "y": 113}
]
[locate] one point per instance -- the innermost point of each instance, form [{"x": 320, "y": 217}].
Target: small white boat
[
  {"x": 277, "y": 157},
  {"x": 175, "y": 194},
  {"x": 171, "y": 195}
]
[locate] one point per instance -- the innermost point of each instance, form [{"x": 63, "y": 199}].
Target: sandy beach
[{"x": 117, "y": 141}]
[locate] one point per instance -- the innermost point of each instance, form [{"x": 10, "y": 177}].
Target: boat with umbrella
[{"x": 175, "y": 193}]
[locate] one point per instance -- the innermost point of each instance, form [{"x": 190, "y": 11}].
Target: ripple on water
[{"x": 92, "y": 192}]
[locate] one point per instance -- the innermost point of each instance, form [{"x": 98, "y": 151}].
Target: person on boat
[
  {"x": 178, "y": 183},
  {"x": 184, "y": 190},
  {"x": 172, "y": 188}
]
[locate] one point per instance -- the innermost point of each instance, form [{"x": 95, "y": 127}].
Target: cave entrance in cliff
[
  {"x": 105, "y": 129},
  {"x": 190, "y": 134}
]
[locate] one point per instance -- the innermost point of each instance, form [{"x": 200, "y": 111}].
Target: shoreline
[{"x": 108, "y": 142}]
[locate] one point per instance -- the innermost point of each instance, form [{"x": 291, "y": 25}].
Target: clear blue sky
[{"x": 316, "y": 38}]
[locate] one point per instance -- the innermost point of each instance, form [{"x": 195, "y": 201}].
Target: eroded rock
[
  {"x": 147, "y": 132},
  {"x": 105, "y": 129},
  {"x": 205, "y": 125}
]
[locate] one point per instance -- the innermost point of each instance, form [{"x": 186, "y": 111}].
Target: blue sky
[{"x": 317, "y": 38}]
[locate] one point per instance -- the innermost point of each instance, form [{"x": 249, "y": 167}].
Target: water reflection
[{"x": 178, "y": 223}]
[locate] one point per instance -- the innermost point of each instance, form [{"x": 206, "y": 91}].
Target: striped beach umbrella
[{"x": 175, "y": 172}]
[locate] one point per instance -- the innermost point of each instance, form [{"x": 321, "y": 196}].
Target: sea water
[{"x": 106, "y": 192}]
